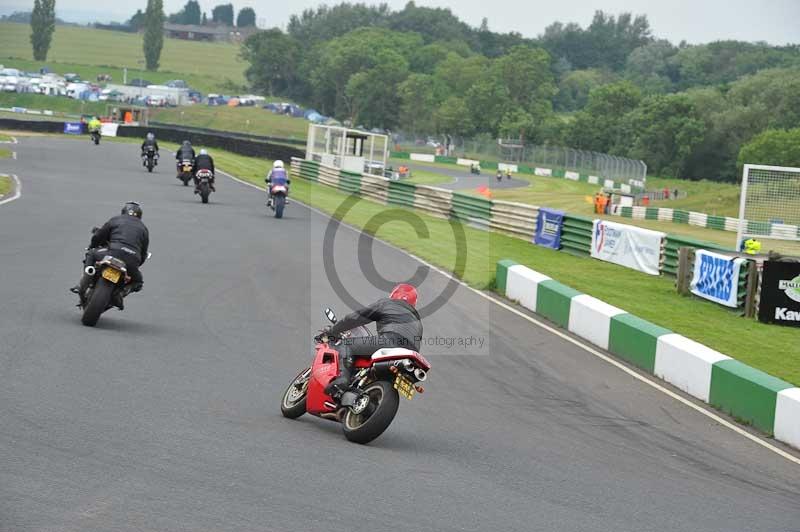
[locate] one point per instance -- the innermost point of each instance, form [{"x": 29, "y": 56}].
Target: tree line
[
  {"x": 612, "y": 86},
  {"x": 192, "y": 14}
]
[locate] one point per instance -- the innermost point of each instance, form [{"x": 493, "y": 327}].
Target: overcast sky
[{"x": 774, "y": 21}]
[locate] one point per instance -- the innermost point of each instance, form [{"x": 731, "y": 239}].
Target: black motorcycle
[
  {"x": 150, "y": 159},
  {"x": 185, "y": 171},
  {"x": 204, "y": 186},
  {"x": 95, "y": 137},
  {"x": 108, "y": 284}
]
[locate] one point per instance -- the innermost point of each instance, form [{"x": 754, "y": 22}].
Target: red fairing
[
  {"x": 278, "y": 188},
  {"x": 397, "y": 353},
  {"x": 324, "y": 369}
]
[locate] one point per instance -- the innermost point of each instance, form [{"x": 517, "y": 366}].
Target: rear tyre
[
  {"x": 293, "y": 404},
  {"x": 204, "y": 192},
  {"x": 150, "y": 167},
  {"x": 280, "y": 203},
  {"x": 98, "y": 302},
  {"x": 376, "y": 417}
]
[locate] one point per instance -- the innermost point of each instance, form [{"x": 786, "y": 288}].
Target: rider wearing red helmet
[{"x": 398, "y": 324}]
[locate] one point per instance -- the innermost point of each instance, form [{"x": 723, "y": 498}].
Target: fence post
[
  {"x": 685, "y": 269},
  {"x": 750, "y": 300}
]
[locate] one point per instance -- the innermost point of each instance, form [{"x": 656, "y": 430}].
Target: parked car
[
  {"x": 72, "y": 77},
  {"x": 137, "y": 82},
  {"x": 156, "y": 100},
  {"x": 177, "y": 84},
  {"x": 110, "y": 95}
]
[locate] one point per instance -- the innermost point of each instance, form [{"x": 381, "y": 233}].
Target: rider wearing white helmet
[
  {"x": 149, "y": 143},
  {"x": 203, "y": 162},
  {"x": 277, "y": 176}
]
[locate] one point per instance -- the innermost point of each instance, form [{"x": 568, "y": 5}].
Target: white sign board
[
  {"x": 108, "y": 129},
  {"x": 543, "y": 172},
  {"x": 423, "y": 157},
  {"x": 572, "y": 175},
  {"x": 626, "y": 245},
  {"x": 716, "y": 277},
  {"x": 510, "y": 167},
  {"x": 467, "y": 162}
]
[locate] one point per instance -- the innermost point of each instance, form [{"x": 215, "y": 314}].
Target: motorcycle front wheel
[
  {"x": 280, "y": 203},
  {"x": 293, "y": 404},
  {"x": 375, "y": 416}
]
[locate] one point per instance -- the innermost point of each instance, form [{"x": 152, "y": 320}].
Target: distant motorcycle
[
  {"x": 278, "y": 203},
  {"x": 95, "y": 137},
  {"x": 150, "y": 158},
  {"x": 185, "y": 171},
  {"x": 369, "y": 406},
  {"x": 204, "y": 178}
]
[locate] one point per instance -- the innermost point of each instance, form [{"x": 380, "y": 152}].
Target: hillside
[{"x": 207, "y": 66}]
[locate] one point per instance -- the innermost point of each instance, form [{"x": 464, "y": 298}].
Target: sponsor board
[
  {"x": 780, "y": 293},
  {"x": 548, "y": 228},
  {"x": 423, "y": 157},
  {"x": 108, "y": 129},
  {"x": 73, "y": 128},
  {"x": 626, "y": 245},
  {"x": 716, "y": 277},
  {"x": 544, "y": 172}
]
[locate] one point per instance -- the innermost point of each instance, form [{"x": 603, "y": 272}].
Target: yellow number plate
[
  {"x": 112, "y": 275},
  {"x": 187, "y": 168},
  {"x": 404, "y": 386}
]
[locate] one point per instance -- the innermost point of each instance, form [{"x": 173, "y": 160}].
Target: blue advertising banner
[
  {"x": 73, "y": 128},
  {"x": 548, "y": 228},
  {"x": 716, "y": 277}
]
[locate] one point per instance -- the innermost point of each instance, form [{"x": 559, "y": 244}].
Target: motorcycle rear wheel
[
  {"x": 280, "y": 203},
  {"x": 98, "y": 302},
  {"x": 376, "y": 417},
  {"x": 293, "y": 404},
  {"x": 204, "y": 192}
]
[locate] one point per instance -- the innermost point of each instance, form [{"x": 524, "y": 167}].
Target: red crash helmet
[{"x": 406, "y": 292}]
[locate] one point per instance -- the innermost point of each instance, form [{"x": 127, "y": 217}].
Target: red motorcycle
[
  {"x": 278, "y": 203},
  {"x": 369, "y": 406}
]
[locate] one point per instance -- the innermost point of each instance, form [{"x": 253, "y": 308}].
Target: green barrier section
[
  {"x": 635, "y": 340},
  {"x": 446, "y": 160},
  {"x": 490, "y": 165},
  {"x": 674, "y": 243},
  {"x": 746, "y": 393},
  {"x": 626, "y": 212},
  {"x": 401, "y": 193},
  {"x": 576, "y": 235},
  {"x": 762, "y": 228},
  {"x": 680, "y": 217},
  {"x": 349, "y": 182},
  {"x": 651, "y": 213},
  {"x": 715, "y": 222},
  {"x": 501, "y": 277},
  {"x": 583, "y": 178},
  {"x": 465, "y": 207},
  {"x": 553, "y": 301},
  {"x": 309, "y": 170},
  {"x": 400, "y": 155},
  {"x": 525, "y": 169},
  {"x": 559, "y": 173}
]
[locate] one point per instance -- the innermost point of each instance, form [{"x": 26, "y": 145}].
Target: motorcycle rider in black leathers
[
  {"x": 398, "y": 324},
  {"x": 203, "y": 162},
  {"x": 124, "y": 237},
  {"x": 149, "y": 142},
  {"x": 184, "y": 153}
]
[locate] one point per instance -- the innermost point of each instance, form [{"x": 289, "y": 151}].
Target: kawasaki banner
[
  {"x": 780, "y": 293},
  {"x": 716, "y": 277},
  {"x": 627, "y": 245},
  {"x": 548, "y": 228}
]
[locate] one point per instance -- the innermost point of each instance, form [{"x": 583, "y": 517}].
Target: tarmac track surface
[
  {"x": 166, "y": 417},
  {"x": 464, "y": 180}
]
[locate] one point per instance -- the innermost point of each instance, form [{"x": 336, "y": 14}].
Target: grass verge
[
  {"x": 5, "y": 153},
  {"x": 5, "y": 185},
  {"x": 5, "y": 138}
]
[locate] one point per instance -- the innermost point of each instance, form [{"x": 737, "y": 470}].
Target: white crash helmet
[
  {"x": 277, "y": 164},
  {"x": 204, "y": 152}
]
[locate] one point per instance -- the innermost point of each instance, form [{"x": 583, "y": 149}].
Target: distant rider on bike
[
  {"x": 203, "y": 162},
  {"x": 277, "y": 176},
  {"x": 124, "y": 237},
  {"x": 398, "y": 325},
  {"x": 184, "y": 153},
  {"x": 149, "y": 143},
  {"x": 94, "y": 125}
]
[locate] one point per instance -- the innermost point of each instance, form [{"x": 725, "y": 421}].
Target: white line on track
[
  {"x": 12, "y": 141},
  {"x": 17, "y": 192}
]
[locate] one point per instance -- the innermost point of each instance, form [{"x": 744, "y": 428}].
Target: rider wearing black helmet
[
  {"x": 149, "y": 143},
  {"x": 185, "y": 153},
  {"x": 124, "y": 237}
]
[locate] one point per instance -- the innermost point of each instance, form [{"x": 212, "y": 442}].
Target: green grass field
[
  {"x": 209, "y": 66},
  {"x": 253, "y": 120},
  {"x": 62, "y": 105},
  {"x": 5, "y": 185},
  {"x": 4, "y": 138},
  {"x": 5, "y": 153}
]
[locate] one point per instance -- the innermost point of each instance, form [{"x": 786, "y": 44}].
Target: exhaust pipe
[
  {"x": 89, "y": 270},
  {"x": 420, "y": 374}
]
